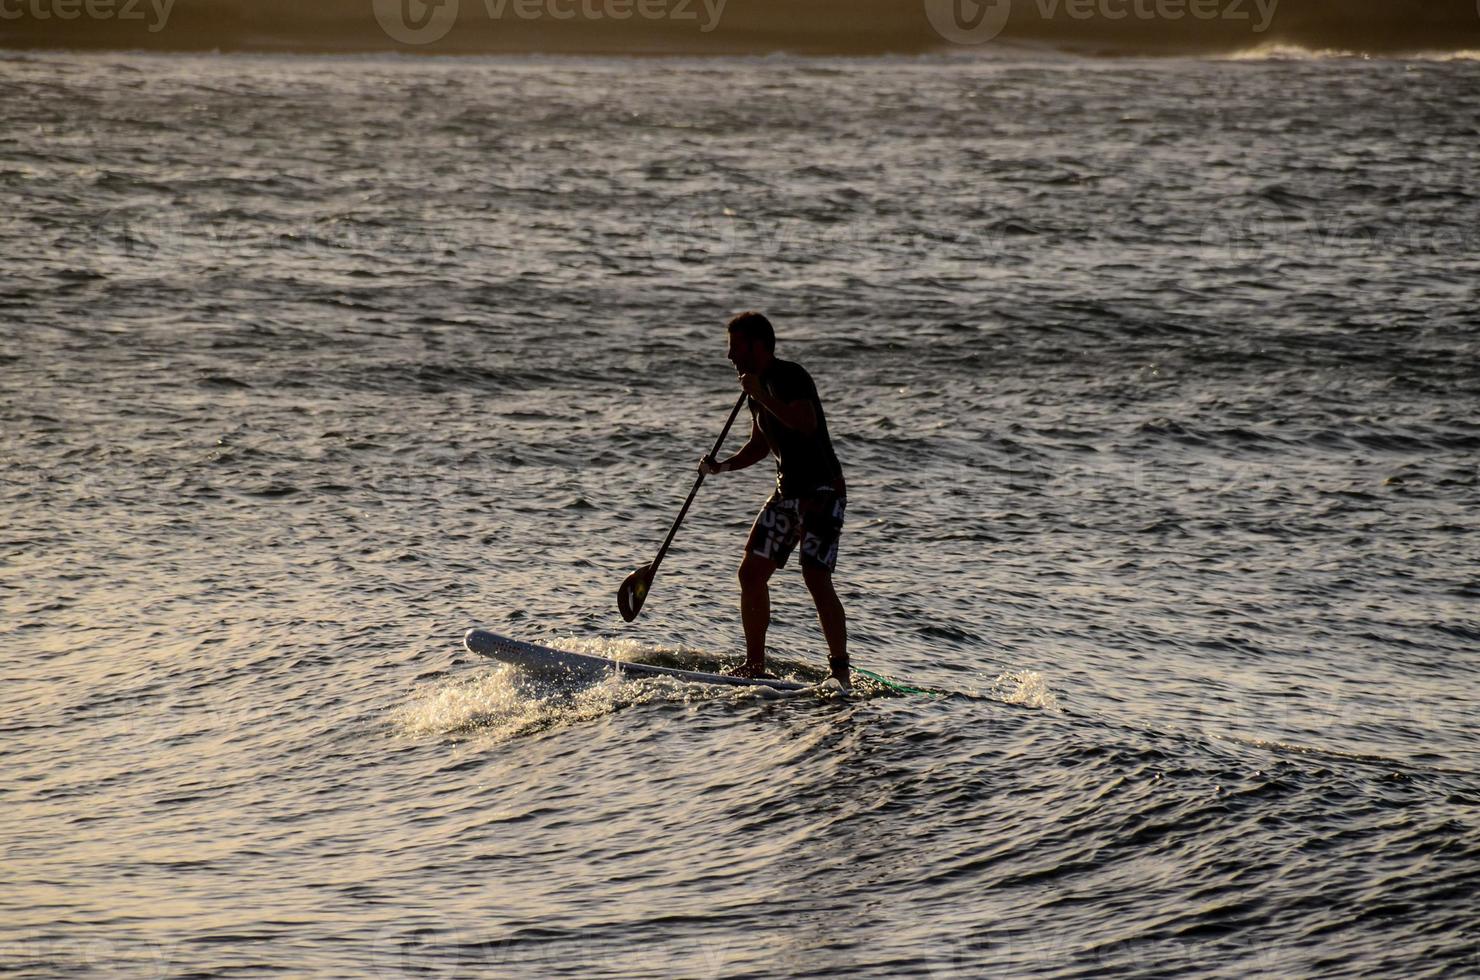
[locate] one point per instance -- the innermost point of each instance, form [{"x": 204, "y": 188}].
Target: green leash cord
[{"x": 895, "y": 685}]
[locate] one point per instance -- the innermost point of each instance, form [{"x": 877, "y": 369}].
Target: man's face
[{"x": 741, "y": 352}]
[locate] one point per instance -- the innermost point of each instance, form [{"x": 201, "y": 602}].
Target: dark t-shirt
[{"x": 803, "y": 462}]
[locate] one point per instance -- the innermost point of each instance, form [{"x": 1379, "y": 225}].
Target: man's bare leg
[
  {"x": 755, "y": 610},
  {"x": 830, "y": 614}
]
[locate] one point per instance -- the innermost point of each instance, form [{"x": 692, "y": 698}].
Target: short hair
[{"x": 755, "y": 326}]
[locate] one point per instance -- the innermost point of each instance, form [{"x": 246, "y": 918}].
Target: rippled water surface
[{"x": 1155, "y": 384}]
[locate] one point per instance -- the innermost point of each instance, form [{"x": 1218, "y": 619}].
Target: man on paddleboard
[{"x": 807, "y": 505}]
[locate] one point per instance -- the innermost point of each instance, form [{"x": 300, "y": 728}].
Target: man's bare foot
[{"x": 751, "y": 671}]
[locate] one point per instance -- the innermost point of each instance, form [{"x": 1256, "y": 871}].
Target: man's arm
[
  {"x": 797, "y": 414},
  {"x": 756, "y": 448}
]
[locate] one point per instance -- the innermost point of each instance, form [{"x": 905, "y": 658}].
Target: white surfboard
[{"x": 580, "y": 666}]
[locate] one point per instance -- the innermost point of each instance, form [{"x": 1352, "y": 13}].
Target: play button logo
[
  {"x": 969, "y": 21},
  {"x": 416, "y": 21}
]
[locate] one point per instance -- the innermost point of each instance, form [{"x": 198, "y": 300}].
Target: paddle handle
[{"x": 718, "y": 443}]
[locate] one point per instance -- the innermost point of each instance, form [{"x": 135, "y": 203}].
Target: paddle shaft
[{"x": 653, "y": 568}]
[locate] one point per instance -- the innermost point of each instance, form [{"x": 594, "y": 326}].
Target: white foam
[
  {"x": 1024, "y": 687},
  {"x": 503, "y": 703},
  {"x": 1295, "y": 52}
]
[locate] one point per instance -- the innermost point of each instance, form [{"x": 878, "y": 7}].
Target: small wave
[
  {"x": 222, "y": 381},
  {"x": 505, "y": 704},
  {"x": 273, "y": 490},
  {"x": 1286, "y": 51},
  {"x": 1026, "y": 688},
  {"x": 1280, "y": 194},
  {"x": 1397, "y": 767}
]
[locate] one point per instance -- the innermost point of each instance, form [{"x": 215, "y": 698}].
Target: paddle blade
[{"x": 633, "y": 592}]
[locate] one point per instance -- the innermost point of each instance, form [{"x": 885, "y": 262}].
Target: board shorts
[{"x": 815, "y": 521}]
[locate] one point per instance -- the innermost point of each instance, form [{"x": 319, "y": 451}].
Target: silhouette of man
[{"x": 807, "y": 505}]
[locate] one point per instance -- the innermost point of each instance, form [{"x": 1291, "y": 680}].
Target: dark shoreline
[{"x": 823, "y": 28}]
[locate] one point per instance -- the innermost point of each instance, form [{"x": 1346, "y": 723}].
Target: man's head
[{"x": 752, "y": 342}]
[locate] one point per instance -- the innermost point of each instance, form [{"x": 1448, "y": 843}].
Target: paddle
[{"x": 634, "y": 589}]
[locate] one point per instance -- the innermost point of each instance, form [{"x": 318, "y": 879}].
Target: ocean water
[{"x": 1156, "y": 387}]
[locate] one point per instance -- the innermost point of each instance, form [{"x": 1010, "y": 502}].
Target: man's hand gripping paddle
[{"x": 634, "y": 590}]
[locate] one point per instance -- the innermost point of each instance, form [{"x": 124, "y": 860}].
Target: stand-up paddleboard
[{"x": 545, "y": 660}]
